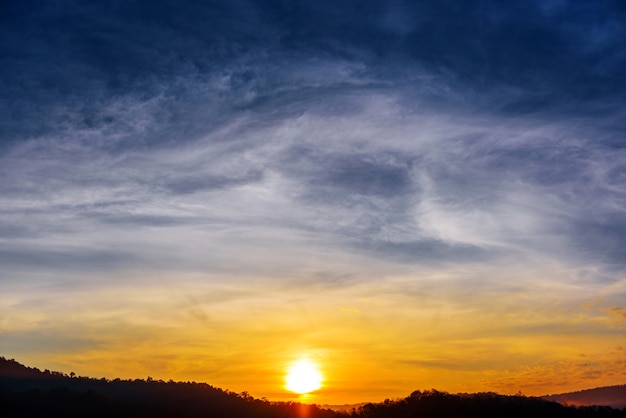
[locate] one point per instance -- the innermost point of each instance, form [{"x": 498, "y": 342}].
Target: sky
[{"x": 411, "y": 194}]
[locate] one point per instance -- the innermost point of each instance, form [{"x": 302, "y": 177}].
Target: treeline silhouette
[
  {"x": 436, "y": 404},
  {"x": 29, "y": 392}
]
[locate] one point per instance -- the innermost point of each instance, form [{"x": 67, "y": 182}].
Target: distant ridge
[{"x": 613, "y": 396}]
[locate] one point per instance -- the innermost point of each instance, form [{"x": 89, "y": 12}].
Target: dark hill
[
  {"x": 11, "y": 368},
  {"x": 27, "y": 392},
  {"x": 614, "y": 396}
]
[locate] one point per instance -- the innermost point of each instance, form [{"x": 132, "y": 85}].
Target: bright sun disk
[{"x": 303, "y": 377}]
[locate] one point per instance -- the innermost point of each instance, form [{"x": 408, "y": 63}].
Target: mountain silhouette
[
  {"x": 29, "y": 392},
  {"x": 614, "y": 396}
]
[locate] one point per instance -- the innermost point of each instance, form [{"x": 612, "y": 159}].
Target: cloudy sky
[{"x": 413, "y": 194}]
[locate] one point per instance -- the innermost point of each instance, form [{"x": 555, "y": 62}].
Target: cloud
[
  {"x": 60, "y": 257},
  {"x": 616, "y": 315},
  {"x": 407, "y": 185}
]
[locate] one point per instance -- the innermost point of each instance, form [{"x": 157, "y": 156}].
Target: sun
[{"x": 303, "y": 377}]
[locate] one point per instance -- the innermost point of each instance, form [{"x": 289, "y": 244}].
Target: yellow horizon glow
[{"x": 369, "y": 344}]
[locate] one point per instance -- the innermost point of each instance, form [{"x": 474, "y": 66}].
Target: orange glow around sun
[{"x": 303, "y": 377}]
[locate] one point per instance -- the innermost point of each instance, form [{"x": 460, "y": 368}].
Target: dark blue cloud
[
  {"x": 429, "y": 252},
  {"x": 63, "y": 61},
  {"x": 191, "y": 184},
  {"x": 160, "y": 103},
  {"x": 340, "y": 176},
  {"x": 28, "y": 257}
]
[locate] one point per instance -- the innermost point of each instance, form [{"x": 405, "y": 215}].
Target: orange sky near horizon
[{"x": 370, "y": 342}]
